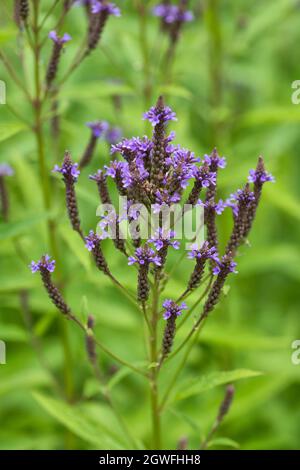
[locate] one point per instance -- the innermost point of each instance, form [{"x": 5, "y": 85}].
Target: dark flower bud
[
  {"x": 144, "y": 256},
  {"x": 70, "y": 173},
  {"x": 226, "y": 403},
  {"x": 93, "y": 244},
  {"x": 172, "y": 311},
  {"x": 5, "y": 170},
  {"x": 23, "y": 9},
  {"x": 58, "y": 44},
  {"x": 45, "y": 266}
]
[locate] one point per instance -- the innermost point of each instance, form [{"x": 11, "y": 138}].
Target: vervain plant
[{"x": 154, "y": 174}]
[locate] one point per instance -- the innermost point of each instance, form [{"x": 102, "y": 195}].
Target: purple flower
[
  {"x": 44, "y": 263},
  {"x": 97, "y": 176},
  {"x": 98, "y": 128},
  {"x": 6, "y": 170},
  {"x": 212, "y": 205},
  {"x": 173, "y": 309},
  {"x": 172, "y": 13},
  {"x": 215, "y": 160},
  {"x": 160, "y": 116},
  {"x": 112, "y": 135},
  {"x": 241, "y": 198},
  {"x": 99, "y": 6},
  {"x": 163, "y": 238},
  {"x": 59, "y": 40},
  {"x": 133, "y": 148},
  {"x": 68, "y": 169},
  {"x": 260, "y": 176},
  {"x": 205, "y": 252},
  {"x": 92, "y": 240},
  {"x": 144, "y": 256},
  {"x": 204, "y": 176},
  {"x": 224, "y": 265}
]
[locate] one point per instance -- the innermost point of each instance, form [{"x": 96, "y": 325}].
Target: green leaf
[
  {"x": 223, "y": 442},
  {"x": 10, "y": 129},
  {"x": 23, "y": 380},
  {"x": 14, "y": 229},
  {"x": 74, "y": 419},
  {"x": 76, "y": 245},
  {"x": 204, "y": 383}
]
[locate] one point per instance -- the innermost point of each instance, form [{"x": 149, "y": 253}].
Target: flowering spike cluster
[
  {"x": 70, "y": 173},
  {"x": 100, "y": 12},
  {"x": 5, "y": 170},
  {"x": 93, "y": 244},
  {"x": 172, "y": 311},
  {"x": 201, "y": 255},
  {"x": 162, "y": 240},
  {"x": 46, "y": 266},
  {"x": 58, "y": 44}
]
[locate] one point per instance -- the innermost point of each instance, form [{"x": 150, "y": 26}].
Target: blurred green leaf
[
  {"x": 223, "y": 442},
  {"x": 10, "y": 129},
  {"x": 204, "y": 383}
]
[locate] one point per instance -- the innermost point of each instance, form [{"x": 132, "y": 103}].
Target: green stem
[{"x": 156, "y": 435}]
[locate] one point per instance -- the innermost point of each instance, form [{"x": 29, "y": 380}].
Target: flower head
[
  {"x": 217, "y": 207},
  {"x": 144, "y": 256},
  {"x": 160, "y": 114},
  {"x": 163, "y": 238},
  {"x": 173, "y": 309},
  {"x": 98, "y": 128},
  {"x": 226, "y": 265},
  {"x": 68, "y": 169},
  {"x": 99, "y": 6},
  {"x": 204, "y": 176},
  {"x": 204, "y": 252},
  {"x": 260, "y": 176},
  {"x": 6, "y": 170},
  {"x": 45, "y": 263},
  {"x": 172, "y": 13},
  {"x": 214, "y": 160},
  {"x": 113, "y": 135},
  {"x": 92, "y": 240},
  {"x": 242, "y": 198},
  {"x": 59, "y": 40}
]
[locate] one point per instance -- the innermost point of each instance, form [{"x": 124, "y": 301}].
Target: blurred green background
[{"x": 230, "y": 86}]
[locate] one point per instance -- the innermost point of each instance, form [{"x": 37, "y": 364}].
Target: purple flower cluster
[
  {"x": 91, "y": 240},
  {"x": 260, "y": 176},
  {"x": 172, "y": 14},
  {"x": 45, "y": 263},
  {"x": 172, "y": 309},
  {"x": 240, "y": 199},
  {"x": 204, "y": 252},
  {"x": 68, "y": 169},
  {"x": 163, "y": 238},
  {"x": 103, "y": 129},
  {"x": 144, "y": 256},
  {"x": 223, "y": 265},
  {"x": 59, "y": 40},
  {"x": 160, "y": 116},
  {"x": 99, "y": 6}
]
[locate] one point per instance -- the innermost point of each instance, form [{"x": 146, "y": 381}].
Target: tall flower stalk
[{"x": 153, "y": 174}]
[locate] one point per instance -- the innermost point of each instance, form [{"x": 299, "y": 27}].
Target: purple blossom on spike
[
  {"x": 113, "y": 135},
  {"x": 99, "y": 6},
  {"x": 143, "y": 256},
  {"x": 173, "y": 309},
  {"x": 259, "y": 176},
  {"x": 214, "y": 160},
  {"x": 93, "y": 244},
  {"x": 172, "y": 14},
  {"x": 163, "y": 238},
  {"x": 157, "y": 115},
  {"x": 98, "y": 128},
  {"x": 224, "y": 265},
  {"x": 59, "y": 40},
  {"x": 44, "y": 263}
]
